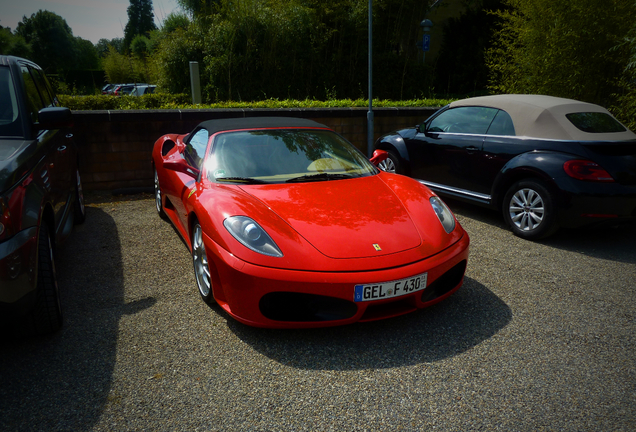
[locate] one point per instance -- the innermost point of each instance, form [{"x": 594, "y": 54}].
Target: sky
[{"x": 89, "y": 19}]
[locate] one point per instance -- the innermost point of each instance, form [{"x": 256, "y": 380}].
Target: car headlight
[
  {"x": 251, "y": 235},
  {"x": 443, "y": 214}
]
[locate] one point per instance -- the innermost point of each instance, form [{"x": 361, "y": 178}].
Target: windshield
[
  {"x": 277, "y": 156},
  {"x": 9, "y": 122}
]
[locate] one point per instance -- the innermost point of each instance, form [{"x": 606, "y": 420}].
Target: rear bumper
[
  {"x": 587, "y": 203},
  {"x": 277, "y": 298},
  {"x": 18, "y": 272}
]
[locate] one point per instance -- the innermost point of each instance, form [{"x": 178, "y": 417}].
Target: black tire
[
  {"x": 158, "y": 198},
  {"x": 80, "y": 207},
  {"x": 391, "y": 164},
  {"x": 201, "y": 265},
  {"x": 46, "y": 315},
  {"x": 529, "y": 208}
]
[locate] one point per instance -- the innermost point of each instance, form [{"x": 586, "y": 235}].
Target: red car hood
[{"x": 356, "y": 218}]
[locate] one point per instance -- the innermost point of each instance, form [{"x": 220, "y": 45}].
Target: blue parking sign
[{"x": 426, "y": 42}]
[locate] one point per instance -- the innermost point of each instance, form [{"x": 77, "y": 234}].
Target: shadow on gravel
[
  {"x": 62, "y": 382},
  {"x": 462, "y": 321},
  {"x": 613, "y": 243}
]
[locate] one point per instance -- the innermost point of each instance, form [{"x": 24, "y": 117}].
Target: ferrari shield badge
[{"x": 377, "y": 247}]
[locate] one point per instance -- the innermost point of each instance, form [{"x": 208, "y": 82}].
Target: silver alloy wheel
[
  {"x": 387, "y": 165},
  {"x": 527, "y": 209},
  {"x": 157, "y": 193},
  {"x": 200, "y": 258}
]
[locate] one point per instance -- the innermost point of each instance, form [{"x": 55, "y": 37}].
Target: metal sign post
[{"x": 370, "y": 112}]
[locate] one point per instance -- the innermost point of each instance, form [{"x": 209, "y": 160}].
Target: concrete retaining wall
[{"x": 115, "y": 146}]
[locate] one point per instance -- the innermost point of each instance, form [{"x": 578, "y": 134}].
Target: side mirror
[
  {"x": 180, "y": 165},
  {"x": 54, "y": 118},
  {"x": 379, "y": 156},
  {"x": 421, "y": 128}
]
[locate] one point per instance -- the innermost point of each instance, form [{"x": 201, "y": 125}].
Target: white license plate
[{"x": 385, "y": 290}]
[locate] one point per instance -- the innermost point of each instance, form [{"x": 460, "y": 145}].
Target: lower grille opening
[
  {"x": 445, "y": 282},
  {"x": 299, "y": 307}
]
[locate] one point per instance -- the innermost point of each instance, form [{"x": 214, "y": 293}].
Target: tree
[
  {"x": 625, "y": 108},
  {"x": 86, "y": 54},
  {"x": 461, "y": 66},
  {"x": 51, "y": 41},
  {"x": 12, "y": 44},
  {"x": 141, "y": 21},
  {"x": 566, "y": 48},
  {"x": 103, "y": 44},
  {"x": 200, "y": 8},
  {"x": 175, "y": 21}
]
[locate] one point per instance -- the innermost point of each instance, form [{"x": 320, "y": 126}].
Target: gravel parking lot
[{"x": 540, "y": 337}]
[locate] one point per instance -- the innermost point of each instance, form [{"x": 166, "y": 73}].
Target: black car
[
  {"x": 40, "y": 195},
  {"x": 545, "y": 162}
]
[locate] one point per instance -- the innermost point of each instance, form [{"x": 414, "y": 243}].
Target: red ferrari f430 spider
[{"x": 290, "y": 225}]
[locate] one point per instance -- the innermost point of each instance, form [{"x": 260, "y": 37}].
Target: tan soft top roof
[{"x": 539, "y": 116}]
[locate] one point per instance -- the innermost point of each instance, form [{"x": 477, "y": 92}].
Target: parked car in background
[
  {"x": 545, "y": 162},
  {"x": 108, "y": 89},
  {"x": 141, "y": 90},
  {"x": 290, "y": 225},
  {"x": 40, "y": 195},
  {"x": 125, "y": 89}
]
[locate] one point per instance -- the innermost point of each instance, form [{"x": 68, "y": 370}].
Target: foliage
[
  {"x": 182, "y": 101},
  {"x": 140, "y": 46},
  {"x": 625, "y": 107},
  {"x": 103, "y": 44},
  {"x": 259, "y": 49},
  {"x": 561, "y": 48},
  {"x": 175, "y": 21},
  {"x": 199, "y": 8},
  {"x": 105, "y": 102},
  {"x": 140, "y": 21},
  {"x": 86, "y": 55},
  {"x": 122, "y": 68},
  {"x": 51, "y": 41},
  {"x": 461, "y": 67},
  {"x": 13, "y": 44}
]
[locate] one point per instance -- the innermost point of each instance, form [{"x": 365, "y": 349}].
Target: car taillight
[{"x": 586, "y": 170}]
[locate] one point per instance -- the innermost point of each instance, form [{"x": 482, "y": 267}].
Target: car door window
[
  {"x": 466, "y": 120},
  {"x": 502, "y": 125},
  {"x": 195, "y": 148},
  {"x": 9, "y": 112},
  {"x": 34, "y": 103},
  {"x": 45, "y": 90}
]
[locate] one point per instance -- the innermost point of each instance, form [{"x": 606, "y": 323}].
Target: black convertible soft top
[{"x": 220, "y": 125}]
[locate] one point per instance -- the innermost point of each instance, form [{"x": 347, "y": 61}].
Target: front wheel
[
  {"x": 158, "y": 203},
  {"x": 201, "y": 265},
  {"x": 46, "y": 315},
  {"x": 391, "y": 164},
  {"x": 529, "y": 208}
]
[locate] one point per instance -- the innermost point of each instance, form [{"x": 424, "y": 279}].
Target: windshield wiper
[
  {"x": 318, "y": 177},
  {"x": 245, "y": 180}
]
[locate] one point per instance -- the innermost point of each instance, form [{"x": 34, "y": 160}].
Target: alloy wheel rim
[
  {"x": 387, "y": 165},
  {"x": 201, "y": 269},
  {"x": 157, "y": 192},
  {"x": 527, "y": 209}
]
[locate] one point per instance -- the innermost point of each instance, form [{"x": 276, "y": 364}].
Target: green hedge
[{"x": 183, "y": 101}]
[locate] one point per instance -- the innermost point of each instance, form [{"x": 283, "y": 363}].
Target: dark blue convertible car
[{"x": 545, "y": 162}]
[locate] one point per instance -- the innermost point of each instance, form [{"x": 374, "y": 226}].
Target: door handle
[{"x": 472, "y": 149}]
